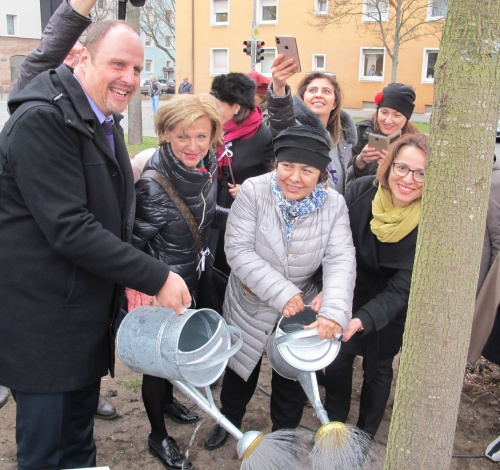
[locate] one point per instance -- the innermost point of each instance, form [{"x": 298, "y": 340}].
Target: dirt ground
[{"x": 122, "y": 443}]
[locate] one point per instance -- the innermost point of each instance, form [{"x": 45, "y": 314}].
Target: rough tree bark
[{"x": 433, "y": 359}]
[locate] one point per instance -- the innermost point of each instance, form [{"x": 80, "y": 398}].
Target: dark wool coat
[
  {"x": 382, "y": 281},
  {"x": 66, "y": 213},
  {"x": 159, "y": 228},
  {"x": 251, "y": 157}
]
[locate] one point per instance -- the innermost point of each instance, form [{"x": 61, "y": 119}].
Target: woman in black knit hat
[
  {"x": 282, "y": 228},
  {"x": 247, "y": 150},
  {"x": 395, "y": 106}
]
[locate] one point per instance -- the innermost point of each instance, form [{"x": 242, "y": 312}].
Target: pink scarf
[{"x": 246, "y": 129}]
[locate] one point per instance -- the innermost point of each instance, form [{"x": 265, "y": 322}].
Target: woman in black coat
[
  {"x": 188, "y": 127},
  {"x": 384, "y": 215},
  {"x": 247, "y": 150}
]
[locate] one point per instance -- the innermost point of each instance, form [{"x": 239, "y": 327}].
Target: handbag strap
[{"x": 178, "y": 201}]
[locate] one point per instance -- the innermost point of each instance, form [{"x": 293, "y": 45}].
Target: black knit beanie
[
  {"x": 234, "y": 88},
  {"x": 397, "y": 96},
  {"x": 302, "y": 144}
]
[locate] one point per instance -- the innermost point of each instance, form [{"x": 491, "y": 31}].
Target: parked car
[
  {"x": 169, "y": 84},
  {"x": 166, "y": 87}
]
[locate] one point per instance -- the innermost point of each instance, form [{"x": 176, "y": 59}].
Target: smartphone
[
  {"x": 383, "y": 142},
  {"x": 287, "y": 45}
]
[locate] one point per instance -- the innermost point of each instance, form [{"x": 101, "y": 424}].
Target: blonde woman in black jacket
[{"x": 188, "y": 127}]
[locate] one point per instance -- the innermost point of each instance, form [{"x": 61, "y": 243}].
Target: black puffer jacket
[{"x": 159, "y": 228}]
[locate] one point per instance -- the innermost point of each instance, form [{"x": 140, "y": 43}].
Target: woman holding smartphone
[
  {"x": 319, "y": 105},
  {"x": 395, "y": 106},
  {"x": 384, "y": 213}
]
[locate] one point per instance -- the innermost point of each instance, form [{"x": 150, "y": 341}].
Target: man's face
[{"x": 111, "y": 76}]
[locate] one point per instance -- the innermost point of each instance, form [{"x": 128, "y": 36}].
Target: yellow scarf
[{"x": 390, "y": 224}]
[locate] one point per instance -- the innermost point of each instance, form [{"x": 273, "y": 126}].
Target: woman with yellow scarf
[{"x": 384, "y": 211}]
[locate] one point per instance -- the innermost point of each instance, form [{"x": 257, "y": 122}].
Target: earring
[{"x": 236, "y": 112}]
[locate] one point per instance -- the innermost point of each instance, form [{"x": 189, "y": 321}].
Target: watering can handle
[
  {"x": 303, "y": 334},
  {"x": 213, "y": 361}
]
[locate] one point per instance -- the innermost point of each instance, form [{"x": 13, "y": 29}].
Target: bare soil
[{"x": 122, "y": 443}]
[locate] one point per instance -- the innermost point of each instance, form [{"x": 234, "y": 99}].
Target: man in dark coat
[{"x": 66, "y": 213}]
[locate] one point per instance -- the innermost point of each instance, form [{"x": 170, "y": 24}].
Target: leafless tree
[
  {"x": 104, "y": 10},
  {"x": 391, "y": 23},
  {"x": 158, "y": 22}
]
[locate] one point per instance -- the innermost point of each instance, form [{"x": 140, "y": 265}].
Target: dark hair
[
  {"x": 334, "y": 125},
  {"x": 235, "y": 88},
  {"x": 408, "y": 128},
  {"x": 420, "y": 141},
  {"x": 99, "y": 29}
]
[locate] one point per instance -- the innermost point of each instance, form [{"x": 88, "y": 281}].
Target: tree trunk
[
  {"x": 451, "y": 231},
  {"x": 135, "y": 106}
]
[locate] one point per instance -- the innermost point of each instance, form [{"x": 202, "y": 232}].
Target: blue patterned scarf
[{"x": 291, "y": 211}]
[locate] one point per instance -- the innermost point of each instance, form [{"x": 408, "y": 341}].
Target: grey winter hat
[
  {"x": 302, "y": 144},
  {"x": 234, "y": 88}
]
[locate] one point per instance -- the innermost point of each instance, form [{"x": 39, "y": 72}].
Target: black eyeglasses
[{"x": 401, "y": 169}]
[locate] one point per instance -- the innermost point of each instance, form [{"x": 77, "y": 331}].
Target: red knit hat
[{"x": 261, "y": 82}]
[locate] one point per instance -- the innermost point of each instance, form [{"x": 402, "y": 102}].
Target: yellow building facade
[{"x": 210, "y": 34}]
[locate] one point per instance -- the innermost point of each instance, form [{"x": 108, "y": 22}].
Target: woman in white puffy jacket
[{"x": 284, "y": 228}]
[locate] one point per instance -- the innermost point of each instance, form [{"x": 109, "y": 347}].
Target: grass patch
[
  {"x": 148, "y": 142},
  {"x": 132, "y": 384}
]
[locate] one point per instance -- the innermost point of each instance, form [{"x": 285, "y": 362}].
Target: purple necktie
[{"x": 108, "y": 129}]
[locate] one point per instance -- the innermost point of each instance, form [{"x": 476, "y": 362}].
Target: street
[{"x": 148, "y": 120}]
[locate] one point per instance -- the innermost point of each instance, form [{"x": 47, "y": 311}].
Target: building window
[
  {"x": 319, "y": 63},
  {"x": 429, "y": 64},
  {"x": 321, "y": 7},
  {"x": 168, "y": 41},
  {"x": 268, "y": 11},
  {"x": 265, "y": 65},
  {"x": 170, "y": 16},
  {"x": 220, "y": 12},
  {"x": 218, "y": 61},
  {"x": 149, "y": 66},
  {"x": 148, "y": 41},
  {"x": 170, "y": 64},
  {"x": 375, "y": 10},
  {"x": 372, "y": 64},
  {"x": 12, "y": 25},
  {"x": 436, "y": 9}
]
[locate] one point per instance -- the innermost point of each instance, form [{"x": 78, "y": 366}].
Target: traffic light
[
  {"x": 260, "y": 51},
  {"x": 248, "y": 47}
]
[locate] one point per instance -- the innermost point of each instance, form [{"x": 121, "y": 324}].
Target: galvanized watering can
[
  {"x": 297, "y": 354},
  {"x": 190, "y": 350}
]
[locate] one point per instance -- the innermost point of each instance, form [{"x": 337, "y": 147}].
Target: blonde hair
[{"x": 189, "y": 108}]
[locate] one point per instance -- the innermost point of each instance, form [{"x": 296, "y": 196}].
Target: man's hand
[{"x": 174, "y": 294}]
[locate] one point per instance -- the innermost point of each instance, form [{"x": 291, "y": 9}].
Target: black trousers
[
  {"x": 374, "y": 393},
  {"x": 55, "y": 430},
  {"x": 287, "y": 398}
]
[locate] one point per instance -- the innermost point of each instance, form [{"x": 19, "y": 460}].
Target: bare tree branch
[
  {"x": 158, "y": 22},
  {"x": 388, "y": 26}
]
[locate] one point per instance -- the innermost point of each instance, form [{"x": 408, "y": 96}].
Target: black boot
[
  {"x": 216, "y": 438},
  {"x": 179, "y": 413},
  {"x": 169, "y": 454}
]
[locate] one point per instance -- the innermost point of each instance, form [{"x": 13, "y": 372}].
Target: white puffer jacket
[{"x": 274, "y": 271}]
